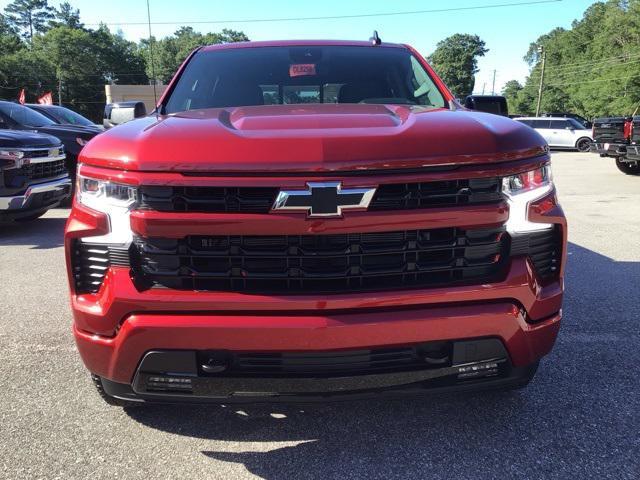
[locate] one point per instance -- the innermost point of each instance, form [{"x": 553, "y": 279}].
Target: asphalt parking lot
[{"x": 580, "y": 417}]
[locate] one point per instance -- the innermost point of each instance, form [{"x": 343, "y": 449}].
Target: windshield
[
  {"x": 68, "y": 117},
  {"x": 24, "y": 115},
  {"x": 576, "y": 124},
  {"x": 294, "y": 75}
]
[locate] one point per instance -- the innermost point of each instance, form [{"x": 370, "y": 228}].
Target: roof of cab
[{"x": 300, "y": 43}]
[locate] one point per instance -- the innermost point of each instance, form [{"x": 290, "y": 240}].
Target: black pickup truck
[
  {"x": 14, "y": 116},
  {"x": 33, "y": 177},
  {"x": 618, "y": 137}
]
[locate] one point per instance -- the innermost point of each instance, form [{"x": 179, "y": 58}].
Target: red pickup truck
[{"x": 306, "y": 220}]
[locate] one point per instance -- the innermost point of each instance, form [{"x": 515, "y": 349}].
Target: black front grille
[
  {"x": 322, "y": 263},
  {"x": 91, "y": 261},
  {"x": 405, "y": 196},
  {"x": 43, "y": 153},
  {"x": 544, "y": 248},
  {"x": 435, "y": 354},
  {"x": 397, "y": 196},
  {"x": 208, "y": 199},
  {"x": 18, "y": 177}
]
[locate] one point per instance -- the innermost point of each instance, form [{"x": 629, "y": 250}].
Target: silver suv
[{"x": 560, "y": 132}]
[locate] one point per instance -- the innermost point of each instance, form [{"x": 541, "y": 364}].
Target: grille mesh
[
  {"x": 402, "y": 196},
  {"x": 544, "y": 248},
  {"x": 322, "y": 263},
  {"x": 36, "y": 171},
  {"x": 92, "y": 260}
]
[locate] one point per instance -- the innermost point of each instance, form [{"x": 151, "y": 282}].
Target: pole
[
  {"x": 493, "y": 85},
  {"x": 153, "y": 67},
  {"x": 483, "y": 86},
  {"x": 60, "y": 92},
  {"x": 544, "y": 59}
]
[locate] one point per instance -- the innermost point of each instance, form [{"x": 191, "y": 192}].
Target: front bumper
[
  {"x": 481, "y": 374},
  {"x": 36, "y": 198},
  {"x": 119, "y": 324}
]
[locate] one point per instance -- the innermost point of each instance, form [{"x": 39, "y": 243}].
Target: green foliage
[
  {"x": 58, "y": 50},
  {"x": 456, "y": 61},
  {"x": 9, "y": 40},
  {"x": 511, "y": 90},
  {"x": 592, "y": 69},
  {"x": 66, "y": 15},
  {"x": 29, "y": 16},
  {"x": 170, "y": 52}
]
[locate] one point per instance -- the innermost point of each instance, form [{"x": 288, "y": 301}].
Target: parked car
[
  {"x": 495, "y": 104},
  {"x": 308, "y": 220},
  {"x": 65, "y": 116},
  {"x": 33, "y": 178},
  {"x": 619, "y": 138},
  {"x": 560, "y": 132},
  {"x": 583, "y": 121},
  {"x": 14, "y": 116}
]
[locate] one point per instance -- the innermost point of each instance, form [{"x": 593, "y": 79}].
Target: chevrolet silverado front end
[{"x": 304, "y": 220}]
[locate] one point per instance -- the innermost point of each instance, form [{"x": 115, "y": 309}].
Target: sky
[{"x": 507, "y": 31}]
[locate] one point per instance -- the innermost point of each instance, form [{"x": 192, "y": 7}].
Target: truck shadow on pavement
[
  {"x": 578, "y": 417},
  {"x": 42, "y": 233}
]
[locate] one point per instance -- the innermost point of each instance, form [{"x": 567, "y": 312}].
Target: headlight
[
  {"x": 521, "y": 190},
  {"x": 81, "y": 141},
  {"x": 115, "y": 200},
  {"x": 10, "y": 159}
]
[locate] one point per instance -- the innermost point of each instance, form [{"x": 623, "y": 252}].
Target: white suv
[{"x": 560, "y": 132}]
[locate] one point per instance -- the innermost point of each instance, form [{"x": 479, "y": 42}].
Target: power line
[
  {"x": 335, "y": 17},
  {"x": 578, "y": 66},
  {"x": 593, "y": 81}
]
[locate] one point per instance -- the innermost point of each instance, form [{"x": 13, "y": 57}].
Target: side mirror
[
  {"x": 123, "y": 112},
  {"x": 569, "y": 128}
]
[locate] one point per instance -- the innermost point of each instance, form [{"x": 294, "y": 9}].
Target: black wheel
[
  {"x": 524, "y": 380},
  {"x": 583, "y": 145},
  {"x": 628, "y": 168},
  {"x": 113, "y": 401}
]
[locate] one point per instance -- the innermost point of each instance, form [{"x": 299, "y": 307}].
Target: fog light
[
  {"x": 477, "y": 370},
  {"x": 169, "y": 384}
]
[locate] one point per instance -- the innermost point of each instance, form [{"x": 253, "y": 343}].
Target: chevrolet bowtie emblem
[{"x": 323, "y": 199}]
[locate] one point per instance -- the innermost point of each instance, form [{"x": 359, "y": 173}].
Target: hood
[
  {"x": 312, "y": 138},
  {"x": 69, "y": 130},
  {"x": 22, "y": 139}
]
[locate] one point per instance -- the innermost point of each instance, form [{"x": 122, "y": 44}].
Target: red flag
[
  {"x": 21, "y": 97},
  {"x": 46, "y": 99}
]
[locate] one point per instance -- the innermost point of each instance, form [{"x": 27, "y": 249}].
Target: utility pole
[
  {"x": 483, "y": 87},
  {"x": 544, "y": 59},
  {"x": 493, "y": 85},
  {"x": 60, "y": 92}
]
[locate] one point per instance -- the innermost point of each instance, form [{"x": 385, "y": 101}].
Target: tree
[
  {"x": 30, "y": 16},
  {"x": 456, "y": 61},
  {"x": 9, "y": 40},
  {"x": 510, "y": 92},
  {"x": 68, "y": 16},
  {"x": 170, "y": 52},
  {"x": 591, "y": 68}
]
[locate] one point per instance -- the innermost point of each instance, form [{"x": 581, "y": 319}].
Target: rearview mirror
[{"x": 123, "y": 112}]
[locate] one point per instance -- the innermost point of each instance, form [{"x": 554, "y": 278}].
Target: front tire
[
  {"x": 30, "y": 217},
  {"x": 524, "y": 380},
  {"x": 583, "y": 145},
  {"x": 108, "y": 399},
  {"x": 628, "y": 168}
]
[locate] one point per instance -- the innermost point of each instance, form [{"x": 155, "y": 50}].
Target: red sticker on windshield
[{"x": 300, "y": 69}]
